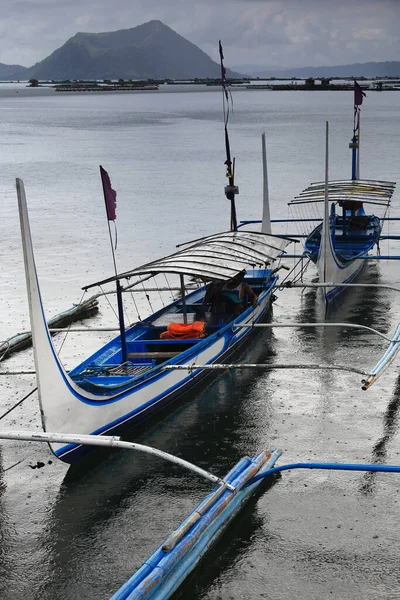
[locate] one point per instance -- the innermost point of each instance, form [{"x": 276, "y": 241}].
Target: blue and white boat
[
  {"x": 340, "y": 244},
  {"x": 138, "y": 373}
]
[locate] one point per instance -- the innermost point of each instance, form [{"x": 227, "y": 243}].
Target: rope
[
  {"x": 136, "y": 308},
  {"x": 169, "y": 287},
  {"x": 111, "y": 306},
  {"x": 14, "y": 465},
  {"x": 70, "y": 325},
  {"x": 18, "y": 403},
  {"x": 296, "y": 277},
  {"x": 159, "y": 292},
  {"x": 148, "y": 298}
]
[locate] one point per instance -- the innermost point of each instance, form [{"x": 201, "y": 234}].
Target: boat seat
[
  {"x": 165, "y": 319},
  {"x": 355, "y": 238},
  {"x": 132, "y": 355}
]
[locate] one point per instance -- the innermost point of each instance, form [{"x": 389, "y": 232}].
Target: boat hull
[
  {"x": 339, "y": 273},
  {"x": 342, "y": 258},
  {"x": 105, "y": 406},
  {"x": 150, "y": 397}
]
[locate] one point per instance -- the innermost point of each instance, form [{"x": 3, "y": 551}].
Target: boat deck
[
  {"x": 347, "y": 245},
  {"x": 104, "y": 371}
]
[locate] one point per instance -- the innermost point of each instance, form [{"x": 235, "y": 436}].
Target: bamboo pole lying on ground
[{"x": 20, "y": 341}]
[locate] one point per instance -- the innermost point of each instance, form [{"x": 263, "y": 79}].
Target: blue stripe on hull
[
  {"x": 72, "y": 453},
  {"x": 332, "y": 294}
]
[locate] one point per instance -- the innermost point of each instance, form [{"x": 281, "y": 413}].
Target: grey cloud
[{"x": 282, "y": 32}]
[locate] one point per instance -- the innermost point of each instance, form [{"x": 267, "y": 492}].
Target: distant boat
[{"x": 340, "y": 244}]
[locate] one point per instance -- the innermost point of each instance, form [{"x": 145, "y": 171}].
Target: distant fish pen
[{"x": 105, "y": 88}]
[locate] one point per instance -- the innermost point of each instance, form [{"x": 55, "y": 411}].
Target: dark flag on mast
[
  {"x": 358, "y": 100},
  {"x": 223, "y": 71},
  {"x": 358, "y": 94},
  {"x": 110, "y": 195}
]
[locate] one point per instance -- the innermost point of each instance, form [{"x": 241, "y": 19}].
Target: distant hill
[
  {"x": 7, "y": 71},
  {"x": 369, "y": 69},
  {"x": 149, "y": 51}
]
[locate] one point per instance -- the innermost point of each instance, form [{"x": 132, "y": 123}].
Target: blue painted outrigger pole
[
  {"x": 377, "y": 468},
  {"x": 165, "y": 570}
]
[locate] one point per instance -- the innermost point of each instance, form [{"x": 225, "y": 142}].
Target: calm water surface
[{"x": 310, "y": 535}]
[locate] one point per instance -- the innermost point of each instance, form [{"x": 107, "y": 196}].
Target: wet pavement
[{"x": 81, "y": 532}]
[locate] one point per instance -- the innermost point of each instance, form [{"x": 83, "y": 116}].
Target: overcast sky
[{"x": 261, "y": 32}]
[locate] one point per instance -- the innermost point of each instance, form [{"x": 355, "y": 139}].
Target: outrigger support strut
[
  {"x": 111, "y": 442},
  {"x": 333, "y": 284},
  {"x": 263, "y": 366},
  {"x": 321, "y": 324}
]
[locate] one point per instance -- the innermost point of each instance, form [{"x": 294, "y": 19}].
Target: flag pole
[{"x": 110, "y": 202}]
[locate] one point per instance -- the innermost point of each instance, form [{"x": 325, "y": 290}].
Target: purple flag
[
  {"x": 358, "y": 94},
  {"x": 221, "y": 53},
  {"x": 223, "y": 71},
  {"x": 110, "y": 195}
]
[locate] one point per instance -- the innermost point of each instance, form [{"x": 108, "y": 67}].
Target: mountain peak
[{"x": 149, "y": 51}]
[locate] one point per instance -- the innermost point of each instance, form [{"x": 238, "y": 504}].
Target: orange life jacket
[{"x": 181, "y": 331}]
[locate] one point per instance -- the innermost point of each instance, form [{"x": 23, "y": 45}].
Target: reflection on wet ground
[
  {"x": 390, "y": 427},
  {"x": 102, "y": 518},
  {"x": 80, "y": 532}
]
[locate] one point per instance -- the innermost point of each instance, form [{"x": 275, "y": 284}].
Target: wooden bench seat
[{"x": 132, "y": 355}]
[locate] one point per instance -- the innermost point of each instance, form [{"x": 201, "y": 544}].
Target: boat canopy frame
[
  {"x": 217, "y": 257},
  {"x": 359, "y": 190}
]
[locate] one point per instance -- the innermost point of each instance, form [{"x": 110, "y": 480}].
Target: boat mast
[
  {"x": 266, "y": 216},
  {"x": 231, "y": 189},
  {"x": 110, "y": 197},
  {"x": 355, "y": 142},
  {"x": 326, "y": 227}
]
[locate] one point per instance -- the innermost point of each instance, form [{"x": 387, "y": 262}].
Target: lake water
[{"x": 311, "y": 535}]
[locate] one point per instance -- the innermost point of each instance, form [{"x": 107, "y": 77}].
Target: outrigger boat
[
  {"x": 126, "y": 380},
  {"x": 339, "y": 245},
  {"x": 130, "y": 377},
  {"x": 154, "y": 361}
]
